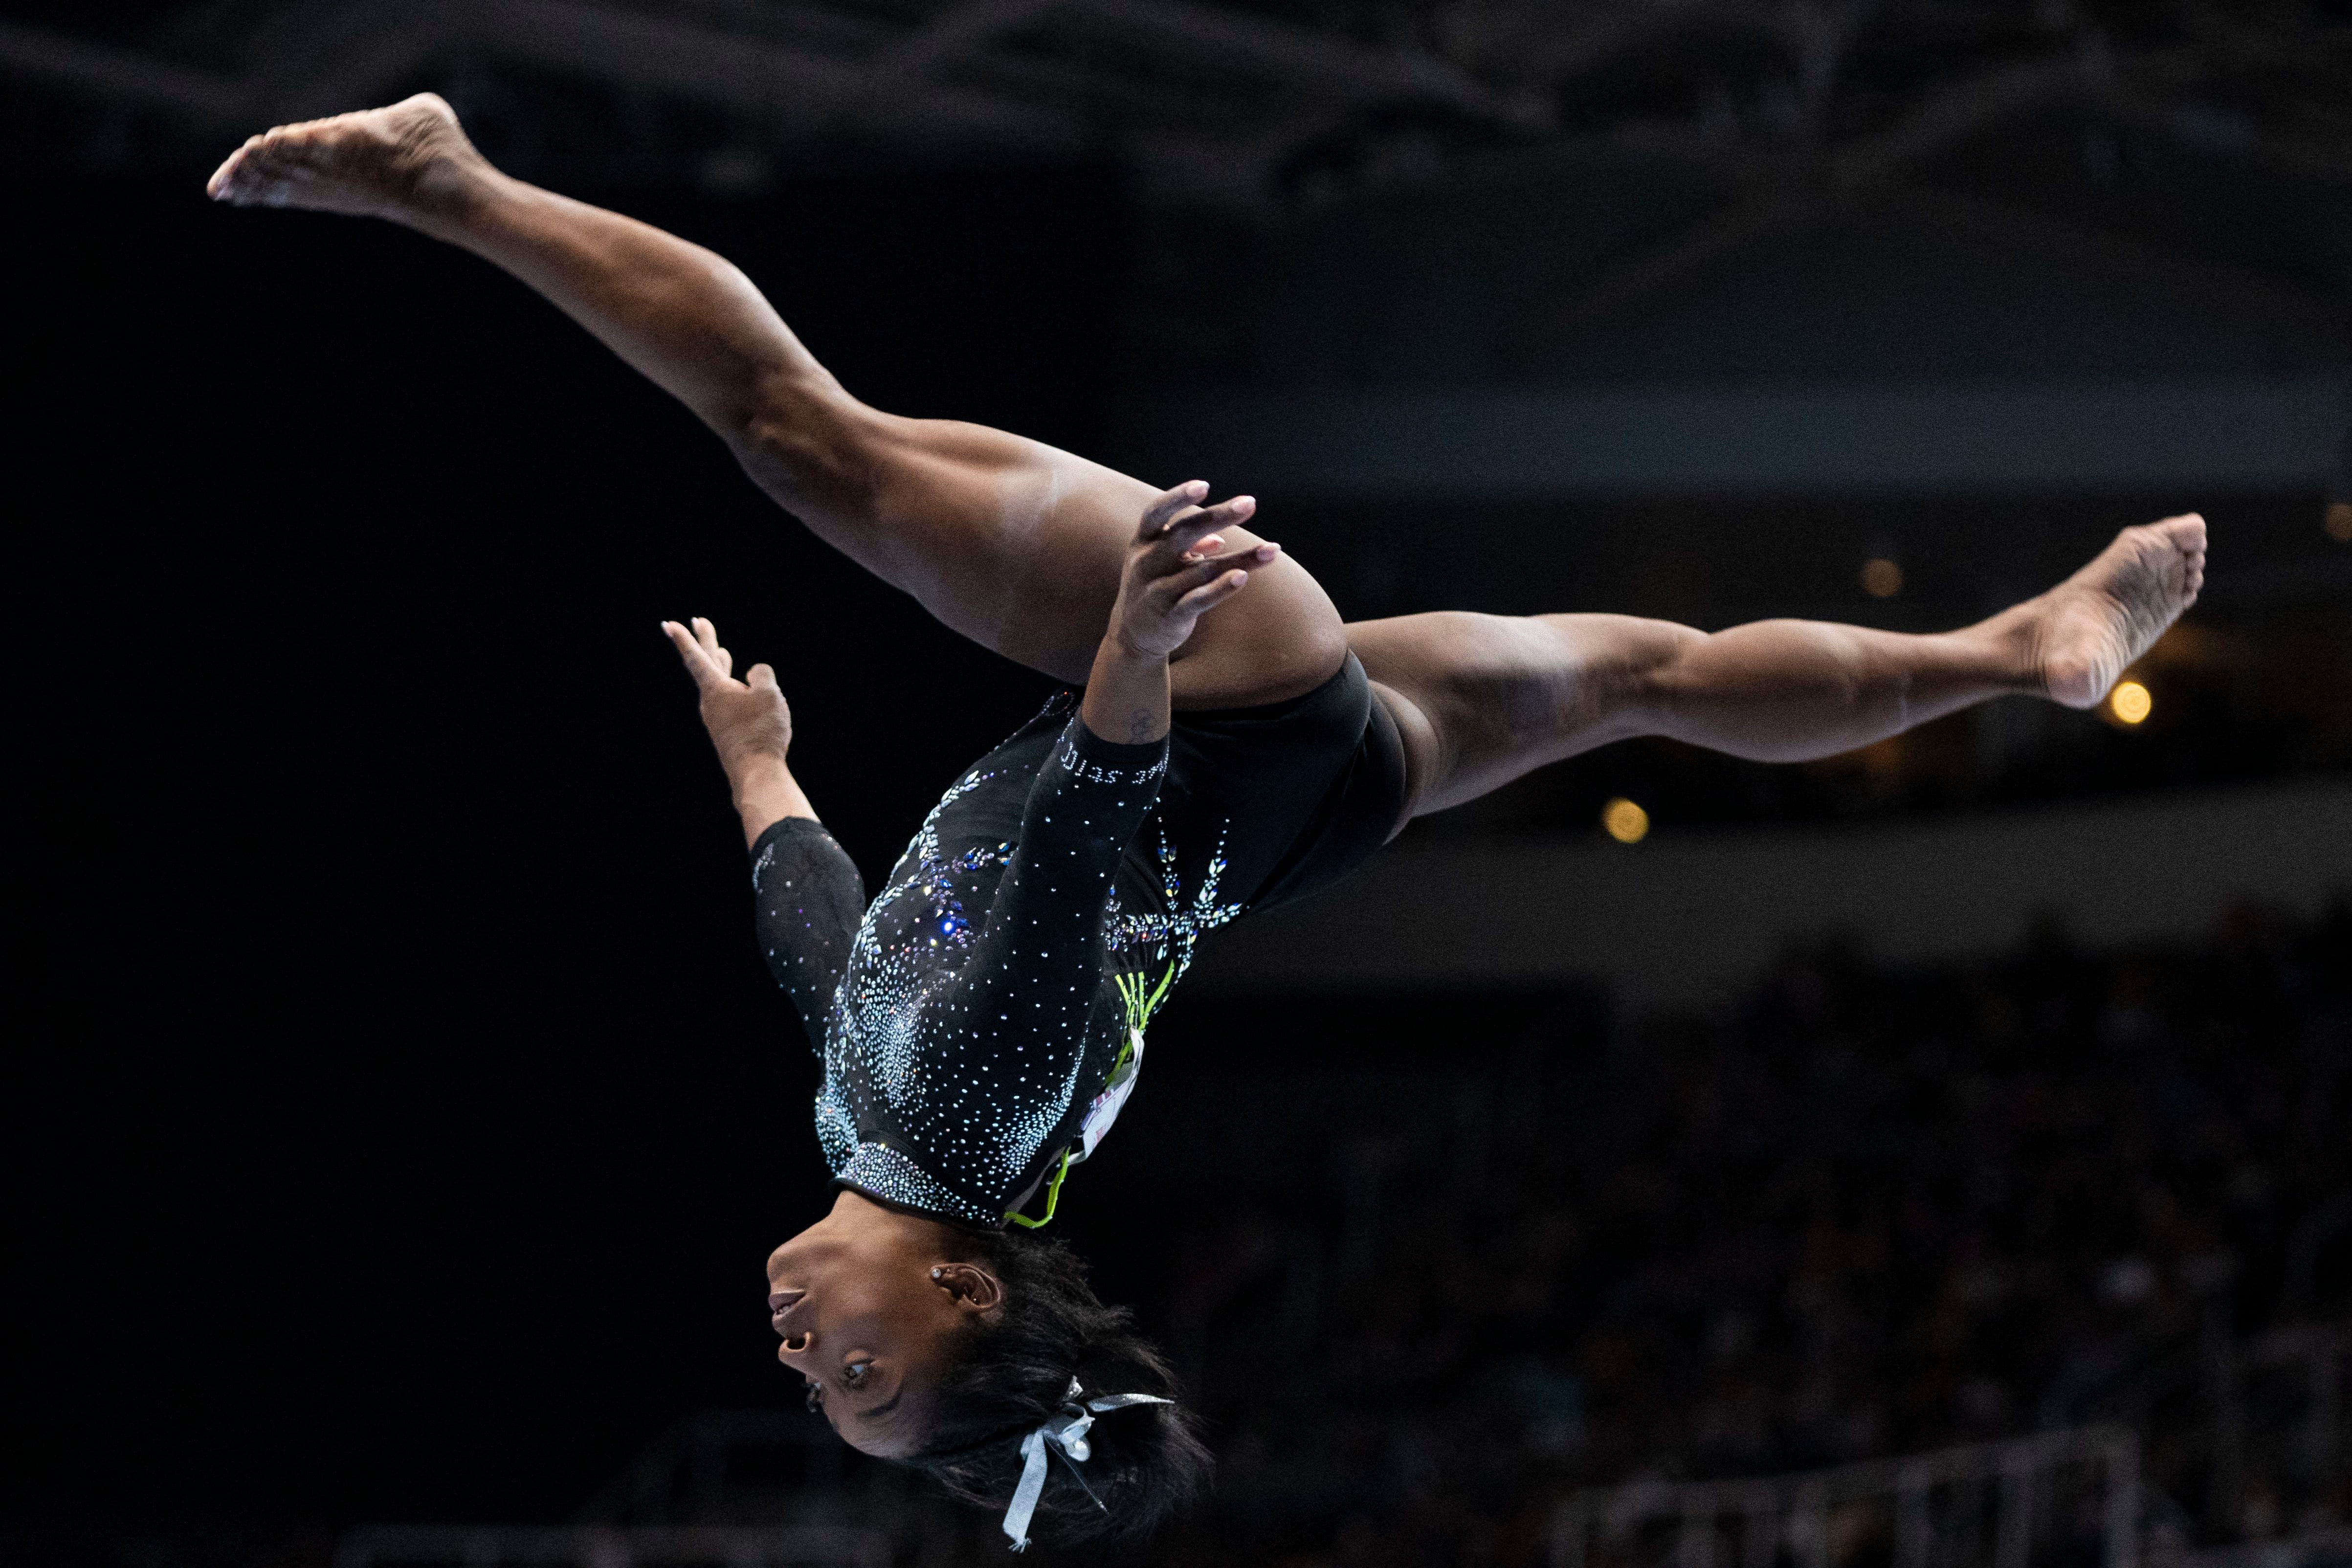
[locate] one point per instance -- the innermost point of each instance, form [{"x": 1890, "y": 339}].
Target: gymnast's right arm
[{"x": 808, "y": 896}]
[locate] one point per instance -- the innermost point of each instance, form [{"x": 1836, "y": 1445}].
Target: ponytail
[{"x": 1056, "y": 1383}]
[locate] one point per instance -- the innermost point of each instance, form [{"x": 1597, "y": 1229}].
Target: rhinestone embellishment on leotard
[
  {"x": 887, "y": 1174},
  {"x": 940, "y": 1029},
  {"x": 1174, "y": 933}
]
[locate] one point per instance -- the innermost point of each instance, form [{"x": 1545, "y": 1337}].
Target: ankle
[
  {"x": 2011, "y": 647},
  {"x": 448, "y": 192}
]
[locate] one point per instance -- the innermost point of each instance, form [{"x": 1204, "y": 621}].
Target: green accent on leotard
[
  {"x": 1052, "y": 1196},
  {"x": 1141, "y": 1003}
]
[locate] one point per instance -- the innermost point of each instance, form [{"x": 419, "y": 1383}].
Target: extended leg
[
  {"x": 1481, "y": 699},
  {"x": 1014, "y": 544}
]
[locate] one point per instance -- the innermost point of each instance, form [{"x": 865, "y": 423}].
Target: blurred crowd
[{"x": 1863, "y": 1211}]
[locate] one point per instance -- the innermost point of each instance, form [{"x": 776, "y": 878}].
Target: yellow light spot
[
  {"x": 1624, "y": 822},
  {"x": 1881, "y": 577},
  {"x": 2129, "y": 702},
  {"x": 2339, "y": 522}
]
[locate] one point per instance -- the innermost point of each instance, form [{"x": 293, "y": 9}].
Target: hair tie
[{"x": 1065, "y": 1431}]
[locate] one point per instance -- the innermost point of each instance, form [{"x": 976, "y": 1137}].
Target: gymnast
[{"x": 1226, "y": 744}]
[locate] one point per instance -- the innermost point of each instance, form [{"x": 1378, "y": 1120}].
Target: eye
[{"x": 855, "y": 1373}]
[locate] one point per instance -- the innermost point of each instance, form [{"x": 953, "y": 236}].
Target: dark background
[
  {"x": 396, "y": 1113},
  {"x": 402, "y": 1112}
]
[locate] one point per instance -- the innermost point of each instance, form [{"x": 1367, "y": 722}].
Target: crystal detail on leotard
[
  {"x": 977, "y": 994},
  {"x": 836, "y": 1129},
  {"x": 880, "y": 1011},
  {"x": 1173, "y": 933},
  {"x": 880, "y": 1169}
]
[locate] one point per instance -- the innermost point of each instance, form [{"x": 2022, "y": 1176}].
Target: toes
[
  {"x": 292, "y": 140},
  {"x": 267, "y": 169},
  {"x": 234, "y": 170}
]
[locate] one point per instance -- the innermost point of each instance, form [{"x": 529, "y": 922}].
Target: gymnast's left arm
[
  {"x": 1173, "y": 575},
  {"x": 1036, "y": 961}
]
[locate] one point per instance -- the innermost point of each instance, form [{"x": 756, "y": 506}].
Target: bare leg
[
  {"x": 1481, "y": 699},
  {"x": 1013, "y": 543}
]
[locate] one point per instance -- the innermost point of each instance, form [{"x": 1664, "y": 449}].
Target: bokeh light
[
  {"x": 1624, "y": 822},
  {"x": 2130, "y": 702},
  {"x": 1881, "y": 577}
]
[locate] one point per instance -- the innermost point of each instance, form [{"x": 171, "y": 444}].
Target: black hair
[{"x": 1012, "y": 1374}]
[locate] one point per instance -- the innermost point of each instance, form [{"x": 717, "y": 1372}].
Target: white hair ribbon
[{"x": 1067, "y": 1432}]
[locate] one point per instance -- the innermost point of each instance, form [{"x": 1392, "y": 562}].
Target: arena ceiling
[{"x": 1250, "y": 106}]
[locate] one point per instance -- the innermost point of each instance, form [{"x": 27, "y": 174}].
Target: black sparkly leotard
[{"x": 982, "y": 1022}]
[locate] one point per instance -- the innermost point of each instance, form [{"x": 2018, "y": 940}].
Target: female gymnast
[{"x": 1229, "y": 745}]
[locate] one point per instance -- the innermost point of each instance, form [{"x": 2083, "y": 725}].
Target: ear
[{"x": 973, "y": 1288}]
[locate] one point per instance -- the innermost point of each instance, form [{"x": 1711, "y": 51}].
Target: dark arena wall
[
  {"x": 410, "y": 1114},
  {"x": 397, "y": 1110}
]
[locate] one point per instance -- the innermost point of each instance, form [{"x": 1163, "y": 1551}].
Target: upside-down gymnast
[{"x": 1228, "y": 744}]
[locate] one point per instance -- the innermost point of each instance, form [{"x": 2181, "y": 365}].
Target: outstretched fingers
[
  {"x": 1178, "y": 523},
  {"x": 707, "y": 635},
  {"x": 1178, "y": 567},
  {"x": 1211, "y": 594},
  {"x": 1201, "y": 586},
  {"x": 1168, "y": 505},
  {"x": 1203, "y": 531},
  {"x": 699, "y": 650},
  {"x": 1194, "y": 574}
]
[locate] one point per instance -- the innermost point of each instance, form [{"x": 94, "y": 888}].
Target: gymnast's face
[{"x": 869, "y": 1306}]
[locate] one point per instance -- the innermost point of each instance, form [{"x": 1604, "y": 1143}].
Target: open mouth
[{"x": 779, "y": 1303}]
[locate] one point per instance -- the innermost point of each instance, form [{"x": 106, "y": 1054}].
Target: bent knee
[
  {"x": 810, "y": 443},
  {"x": 1647, "y": 666},
  {"x": 1313, "y": 639},
  {"x": 1280, "y": 638}
]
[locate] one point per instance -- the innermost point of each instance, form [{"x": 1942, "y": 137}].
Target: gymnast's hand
[
  {"x": 1174, "y": 574},
  {"x": 751, "y": 726}
]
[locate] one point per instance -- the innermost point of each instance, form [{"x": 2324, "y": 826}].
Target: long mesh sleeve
[
  {"x": 1036, "y": 970},
  {"x": 807, "y": 901}
]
